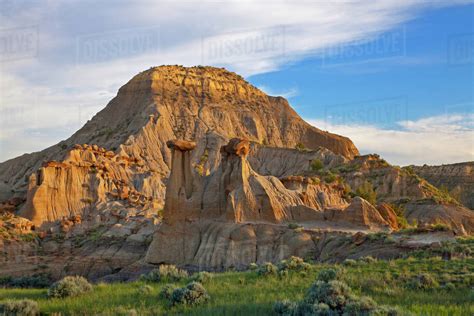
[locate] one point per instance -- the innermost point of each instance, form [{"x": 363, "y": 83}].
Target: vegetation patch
[
  {"x": 192, "y": 294},
  {"x": 169, "y": 273},
  {"x": 34, "y": 281},
  {"x": 367, "y": 192},
  {"x": 330, "y": 296},
  {"x": 19, "y": 308},
  {"x": 69, "y": 286}
]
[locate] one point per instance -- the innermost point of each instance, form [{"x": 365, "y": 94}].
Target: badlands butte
[{"x": 196, "y": 167}]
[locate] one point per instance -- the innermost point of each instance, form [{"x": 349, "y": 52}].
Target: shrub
[
  {"x": 349, "y": 262},
  {"x": 193, "y": 294},
  {"x": 449, "y": 286},
  {"x": 285, "y": 307},
  {"x": 167, "y": 291},
  {"x": 293, "y": 226},
  {"x": 330, "y": 177},
  {"x": 367, "y": 192},
  {"x": 33, "y": 281},
  {"x": 333, "y": 293},
  {"x": 145, "y": 289},
  {"x": 301, "y": 147},
  {"x": 368, "y": 259},
  {"x": 19, "y": 308},
  {"x": 69, "y": 286},
  {"x": 253, "y": 266},
  {"x": 361, "y": 306},
  {"x": 202, "y": 277},
  {"x": 327, "y": 275},
  {"x": 423, "y": 281},
  {"x": 328, "y": 296},
  {"x": 283, "y": 273},
  {"x": 316, "y": 165},
  {"x": 165, "y": 273},
  {"x": 294, "y": 264},
  {"x": 266, "y": 269}
]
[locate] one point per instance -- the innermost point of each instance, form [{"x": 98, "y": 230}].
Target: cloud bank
[
  {"x": 61, "y": 62},
  {"x": 433, "y": 140}
]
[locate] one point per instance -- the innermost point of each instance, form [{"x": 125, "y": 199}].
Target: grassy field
[{"x": 246, "y": 293}]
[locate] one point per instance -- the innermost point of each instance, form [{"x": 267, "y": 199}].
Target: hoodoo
[{"x": 222, "y": 219}]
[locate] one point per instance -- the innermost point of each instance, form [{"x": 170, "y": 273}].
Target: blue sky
[
  {"x": 394, "y": 76},
  {"x": 419, "y": 74}
]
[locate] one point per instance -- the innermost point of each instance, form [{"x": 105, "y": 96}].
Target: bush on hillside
[
  {"x": 423, "y": 281},
  {"x": 327, "y": 275},
  {"x": 293, "y": 264},
  {"x": 330, "y": 296},
  {"x": 253, "y": 266},
  {"x": 145, "y": 289},
  {"x": 167, "y": 291},
  {"x": 349, "y": 262},
  {"x": 266, "y": 269},
  {"x": 69, "y": 286},
  {"x": 19, "y": 308},
  {"x": 202, "y": 277},
  {"x": 367, "y": 192},
  {"x": 165, "y": 273},
  {"x": 192, "y": 294},
  {"x": 317, "y": 165}
]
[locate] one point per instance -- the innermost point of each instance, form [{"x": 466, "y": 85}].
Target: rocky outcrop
[
  {"x": 209, "y": 105},
  {"x": 388, "y": 214},
  {"x": 234, "y": 216},
  {"x": 89, "y": 176},
  {"x": 425, "y": 213},
  {"x": 457, "y": 179}
]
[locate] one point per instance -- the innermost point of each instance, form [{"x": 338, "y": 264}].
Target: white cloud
[
  {"x": 432, "y": 140},
  {"x": 56, "y": 89},
  {"x": 287, "y": 94}
]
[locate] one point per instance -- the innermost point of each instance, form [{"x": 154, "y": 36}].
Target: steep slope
[
  {"x": 206, "y": 104},
  {"x": 456, "y": 178}
]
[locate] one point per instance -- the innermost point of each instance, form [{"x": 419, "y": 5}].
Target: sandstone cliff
[{"x": 457, "y": 178}]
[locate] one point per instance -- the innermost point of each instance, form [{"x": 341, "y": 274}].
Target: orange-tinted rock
[
  {"x": 237, "y": 146},
  {"x": 182, "y": 145},
  {"x": 387, "y": 212}
]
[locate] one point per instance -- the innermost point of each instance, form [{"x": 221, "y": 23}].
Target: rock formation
[
  {"x": 235, "y": 216},
  {"x": 457, "y": 179},
  {"x": 238, "y": 193},
  {"x": 88, "y": 177},
  {"x": 209, "y": 105}
]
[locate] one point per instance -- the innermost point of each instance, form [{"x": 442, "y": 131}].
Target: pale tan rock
[
  {"x": 235, "y": 216},
  {"x": 360, "y": 213},
  {"x": 209, "y": 105}
]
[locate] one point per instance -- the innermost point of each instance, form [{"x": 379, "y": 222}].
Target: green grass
[{"x": 246, "y": 293}]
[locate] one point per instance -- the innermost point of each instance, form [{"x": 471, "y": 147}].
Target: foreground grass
[{"x": 245, "y": 293}]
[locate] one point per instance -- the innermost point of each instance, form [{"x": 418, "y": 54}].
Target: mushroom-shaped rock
[
  {"x": 181, "y": 145},
  {"x": 237, "y": 146}
]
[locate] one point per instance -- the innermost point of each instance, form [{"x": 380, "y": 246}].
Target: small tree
[
  {"x": 367, "y": 192},
  {"x": 316, "y": 165}
]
